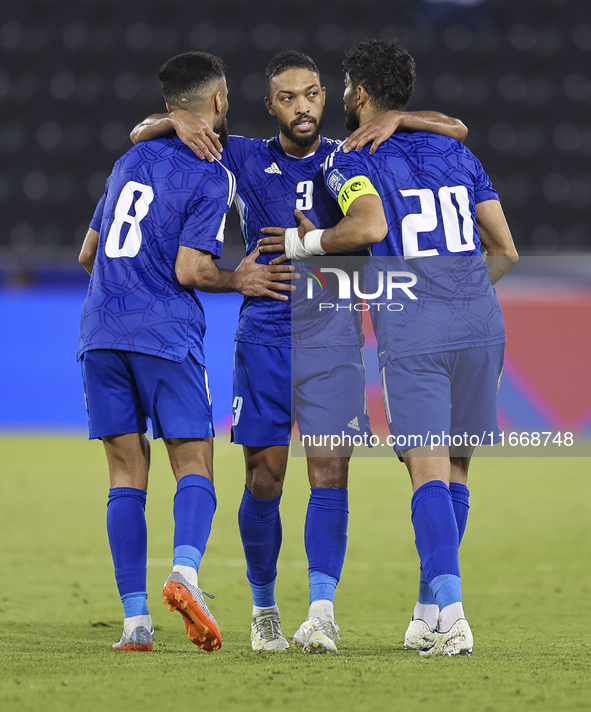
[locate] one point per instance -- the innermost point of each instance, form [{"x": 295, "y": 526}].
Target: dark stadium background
[{"x": 76, "y": 77}]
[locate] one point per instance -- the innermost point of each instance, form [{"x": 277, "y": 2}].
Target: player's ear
[
  {"x": 323, "y": 90},
  {"x": 218, "y": 102},
  {"x": 362, "y": 96},
  {"x": 269, "y": 105},
  {"x": 168, "y": 107}
]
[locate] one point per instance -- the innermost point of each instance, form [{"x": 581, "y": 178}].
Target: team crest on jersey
[
  {"x": 336, "y": 180},
  {"x": 274, "y": 168}
]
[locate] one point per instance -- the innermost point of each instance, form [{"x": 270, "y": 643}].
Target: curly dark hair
[
  {"x": 183, "y": 76},
  {"x": 289, "y": 59},
  {"x": 385, "y": 70}
]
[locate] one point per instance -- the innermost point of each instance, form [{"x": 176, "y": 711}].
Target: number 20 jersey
[
  {"x": 158, "y": 197},
  {"x": 429, "y": 186}
]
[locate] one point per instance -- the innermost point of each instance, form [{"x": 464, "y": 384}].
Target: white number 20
[
  {"x": 306, "y": 189},
  {"x": 426, "y": 221},
  {"x": 133, "y": 240}
]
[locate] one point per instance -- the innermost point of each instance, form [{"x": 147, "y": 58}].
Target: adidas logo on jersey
[
  {"x": 274, "y": 168},
  {"x": 354, "y": 423}
]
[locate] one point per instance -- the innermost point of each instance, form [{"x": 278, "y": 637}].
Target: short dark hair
[
  {"x": 385, "y": 70},
  {"x": 290, "y": 59},
  {"x": 183, "y": 76}
]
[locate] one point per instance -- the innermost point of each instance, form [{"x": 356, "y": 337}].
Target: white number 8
[{"x": 133, "y": 240}]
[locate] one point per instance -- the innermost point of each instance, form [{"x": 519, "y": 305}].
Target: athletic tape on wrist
[
  {"x": 296, "y": 249},
  {"x": 313, "y": 243}
]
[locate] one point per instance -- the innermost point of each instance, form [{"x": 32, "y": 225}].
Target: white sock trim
[
  {"x": 258, "y": 610},
  {"x": 321, "y": 609},
  {"x": 188, "y": 573},
  {"x": 130, "y": 624},
  {"x": 428, "y": 612},
  {"x": 449, "y": 615}
]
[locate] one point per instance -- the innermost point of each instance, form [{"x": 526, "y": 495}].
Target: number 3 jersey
[
  {"x": 429, "y": 186},
  {"x": 271, "y": 184},
  {"x": 157, "y": 198}
]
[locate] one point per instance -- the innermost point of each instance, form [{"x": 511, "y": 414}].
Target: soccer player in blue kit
[
  {"x": 424, "y": 205},
  {"x": 274, "y": 177},
  {"x": 152, "y": 241}
]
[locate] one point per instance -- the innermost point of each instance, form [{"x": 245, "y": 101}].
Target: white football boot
[
  {"x": 419, "y": 636},
  {"x": 265, "y": 631},
  {"x": 457, "y": 641},
  {"x": 317, "y": 635}
]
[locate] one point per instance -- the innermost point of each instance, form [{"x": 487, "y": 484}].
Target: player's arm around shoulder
[
  {"x": 386, "y": 124},
  {"x": 193, "y": 131},
  {"x": 495, "y": 235}
]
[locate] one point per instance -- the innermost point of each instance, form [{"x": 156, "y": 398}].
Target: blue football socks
[
  {"x": 259, "y": 522},
  {"x": 460, "y": 499},
  {"x": 128, "y": 539},
  {"x": 194, "y": 506},
  {"x": 426, "y": 597},
  {"x": 325, "y": 537},
  {"x": 437, "y": 541}
]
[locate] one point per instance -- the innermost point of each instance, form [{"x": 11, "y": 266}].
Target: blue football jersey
[
  {"x": 271, "y": 184},
  {"x": 157, "y": 198},
  {"x": 429, "y": 186}
]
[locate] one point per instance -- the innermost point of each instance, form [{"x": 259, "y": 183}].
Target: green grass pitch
[{"x": 525, "y": 564}]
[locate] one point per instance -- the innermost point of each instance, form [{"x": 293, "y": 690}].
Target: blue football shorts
[
  {"x": 431, "y": 398},
  {"x": 124, "y": 388},
  {"x": 322, "y": 389}
]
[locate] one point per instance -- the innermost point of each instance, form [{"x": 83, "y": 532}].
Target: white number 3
[
  {"x": 133, "y": 239},
  {"x": 306, "y": 189},
  {"x": 237, "y": 405}
]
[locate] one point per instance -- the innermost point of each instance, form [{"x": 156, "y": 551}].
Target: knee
[
  {"x": 263, "y": 481},
  {"x": 329, "y": 472}
]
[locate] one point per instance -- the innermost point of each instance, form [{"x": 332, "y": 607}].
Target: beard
[
  {"x": 303, "y": 141},
  {"x": 222, "y": 130},
  {"x": 351, "y": 120}
]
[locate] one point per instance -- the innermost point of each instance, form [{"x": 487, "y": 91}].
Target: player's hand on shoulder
[
  {"x": 196, "y": 133},
  {"x": 377, "y": 130},
  {"x": 260, "y": 280}
]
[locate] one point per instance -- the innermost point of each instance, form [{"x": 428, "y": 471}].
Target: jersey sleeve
[
  {"x": 206, "y": 220},
  {"x": 346, "y": 177},
  {"x": 97, "y": 218},
  {"x": 236, "y": 151},
  {"x": 483, "y": 189}
]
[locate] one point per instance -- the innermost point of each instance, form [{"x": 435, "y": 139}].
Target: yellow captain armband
[{"x": 354, "y": 188}]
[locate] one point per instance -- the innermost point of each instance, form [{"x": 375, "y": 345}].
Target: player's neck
[
  {"x": 368, "y": 113},
  {"x": 298, "y": 151},
  {"x": 208, "y": 116}
]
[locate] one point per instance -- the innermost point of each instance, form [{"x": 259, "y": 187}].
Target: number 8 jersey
[
  {"x": 429, "y": 186},
  {"x": 157, "y": 198}
]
